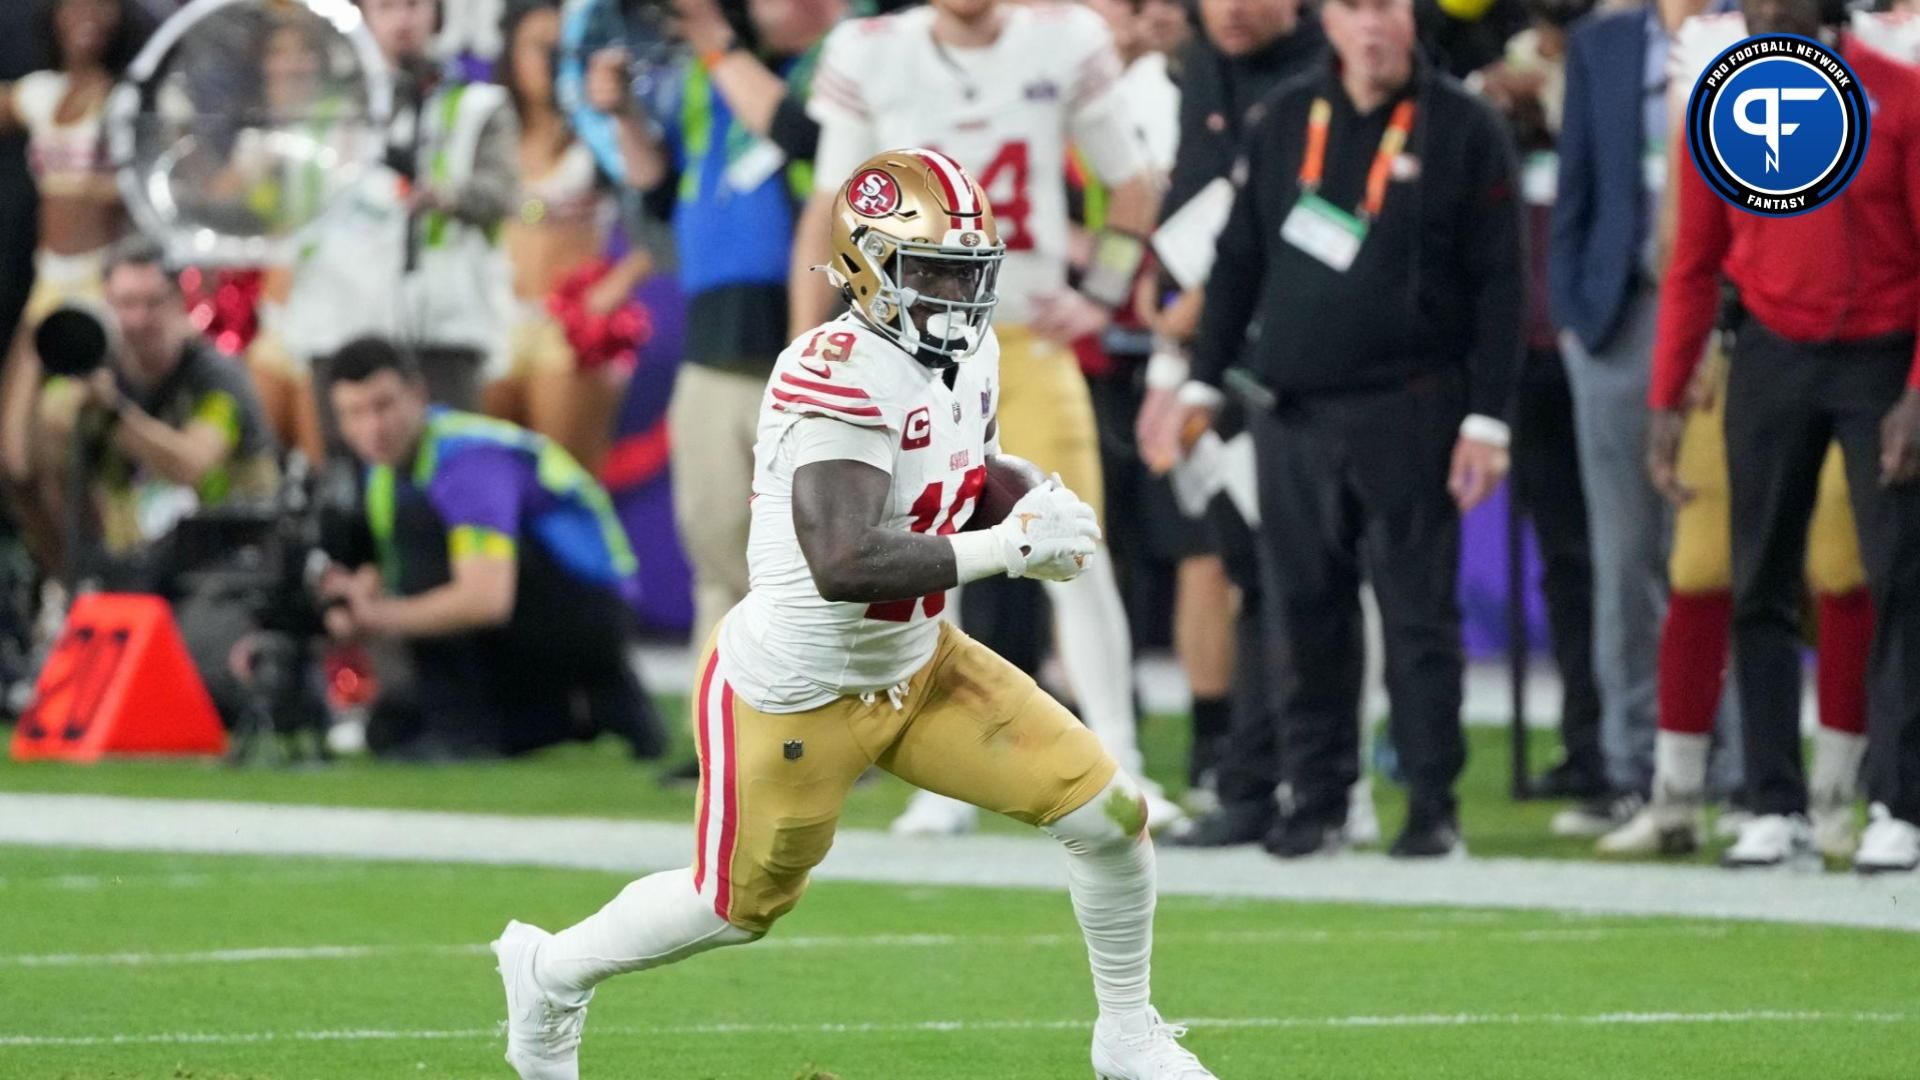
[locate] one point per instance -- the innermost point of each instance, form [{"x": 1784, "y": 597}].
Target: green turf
[
  {"x": 598, "y": 780},
  {"x": 1236, "y": 960}
]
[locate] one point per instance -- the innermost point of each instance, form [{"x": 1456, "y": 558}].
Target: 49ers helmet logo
[{"x": 873, "y": 194}]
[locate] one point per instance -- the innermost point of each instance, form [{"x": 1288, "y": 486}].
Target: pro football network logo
[
  {"x": 1777, "y": 125},
  {"x": 874, "y": 194}
]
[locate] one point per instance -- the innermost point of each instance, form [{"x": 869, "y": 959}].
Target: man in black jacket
[
  {"x": 1247, "y": 48},
  {"x": 1376, "y": 237}
]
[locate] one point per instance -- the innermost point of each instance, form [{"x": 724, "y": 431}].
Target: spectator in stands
[
  {"x": 556, "y": 240},
  {"x": 62, "y": 111},
  {"x": 1824, "y": 350},
  {"x": 420, "y": 259},
  {"x": 1528, "y": 86},
  {"x": 1247, "y": 47},
  {"x": 498, "y": 563},
  {"x": 739, "y": 153},
  {"x": 1604, "y": 273},
  {"x": 168, "y": 426},
  {"x": 1376, "y": 238}
]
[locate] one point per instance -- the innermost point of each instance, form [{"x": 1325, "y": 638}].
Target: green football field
[{"x": 176, "y": 966}]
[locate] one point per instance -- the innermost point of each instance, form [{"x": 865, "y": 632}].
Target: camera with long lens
[
  {"x": 257, "y": 564},
  {"x": 73, "y": 340}
]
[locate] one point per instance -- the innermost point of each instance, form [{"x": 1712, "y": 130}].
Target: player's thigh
[
  {"x": 984, "y": 732},
  {"x": 1833, "y": 544},
  {"x": 1046, "y": 413},
  {"x": 771, "y": 788},
  {"x": 1702, "y": 559}
]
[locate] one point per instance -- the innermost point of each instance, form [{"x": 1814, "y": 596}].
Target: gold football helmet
[{"x": 916, "y": 253}]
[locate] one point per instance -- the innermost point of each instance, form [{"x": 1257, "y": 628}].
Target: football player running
[
  {"x": 876, "y": 435},
  {"x": 1004, "y": 88}
]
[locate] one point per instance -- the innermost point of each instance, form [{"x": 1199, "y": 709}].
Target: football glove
[{"x": 1050, "y": 534}]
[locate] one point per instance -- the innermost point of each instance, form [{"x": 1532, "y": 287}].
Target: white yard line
[
  {"x": 217, "y": 1038},
  {"x": 280, "y": 953},
  {"x": 631, "y": 847}
]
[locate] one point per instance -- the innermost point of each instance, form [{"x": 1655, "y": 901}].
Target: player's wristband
[
  {"x": 1115, "y": 263},
  {"x": 978, "y": 555}
]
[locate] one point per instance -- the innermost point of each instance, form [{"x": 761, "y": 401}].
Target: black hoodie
[{"x": 1218, "y": 99}]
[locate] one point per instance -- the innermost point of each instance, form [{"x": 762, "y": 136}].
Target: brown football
[{"x": 1008, "y": 478}]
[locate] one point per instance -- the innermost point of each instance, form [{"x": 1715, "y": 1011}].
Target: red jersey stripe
[
  {"x": 824, "y": 388},
  {"x": 871, "y": 411}
]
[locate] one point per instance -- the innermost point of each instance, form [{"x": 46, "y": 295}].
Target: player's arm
[
  {"x": 840, "y": 498},
  {"x": 1102, "y": 127},
  {"x": 838, "y": 507},
  {"x": 847, "y": 138}
]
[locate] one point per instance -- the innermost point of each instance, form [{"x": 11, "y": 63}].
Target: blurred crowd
[{"x": 1396, "y": 253}]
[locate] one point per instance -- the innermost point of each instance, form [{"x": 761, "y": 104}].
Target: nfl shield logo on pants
[{"x": 793, "y": 748}]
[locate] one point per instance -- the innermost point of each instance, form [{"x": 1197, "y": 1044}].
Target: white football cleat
[
  {"x": 1363, "y": 821},
  {"x": 1658, "y": 829},
  {"x": 543, "y": 1037},
  {"x": 1889, "y": 845},
  {"x": 1152, "y": 1054},
  {"x": 935, "y": 815},
  {"x": 1774, "y": 840}
]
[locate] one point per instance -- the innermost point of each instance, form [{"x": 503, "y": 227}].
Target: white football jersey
[
  {"x": 1007, "y": 113},
  {"x": 785, "y": 647}
]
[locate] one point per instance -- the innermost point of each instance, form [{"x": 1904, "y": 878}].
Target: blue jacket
[{"x": 1599, "y": 215}]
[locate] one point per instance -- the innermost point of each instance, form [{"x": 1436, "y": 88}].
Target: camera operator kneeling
[
  {"x": 150, "y": 425},
  {"x": 497, "y": 561},
  {"x": 166, "y": 426}
]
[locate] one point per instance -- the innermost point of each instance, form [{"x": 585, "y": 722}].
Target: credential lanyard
[{"x": 1313, "y": 165}]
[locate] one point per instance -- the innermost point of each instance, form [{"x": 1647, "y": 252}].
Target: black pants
[
  {"x": 558, "y": 671},
  {"x": 1785, "y": 403},
  {"x": 1248, "y": 770},
  {"x": 1546, "y": 483},
  {"x": 1354, "y": 482}
]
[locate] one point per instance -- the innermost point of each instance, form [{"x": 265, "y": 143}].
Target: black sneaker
[
  {"x": 1568, "y": 780},
  {"x": 1298, "y": 838},
  {"x": 1429, "y": 840},
  {"x": 1229, "y": 826}
]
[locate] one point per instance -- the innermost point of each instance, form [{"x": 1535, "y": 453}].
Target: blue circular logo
[{"x": 1777, "y": 124}]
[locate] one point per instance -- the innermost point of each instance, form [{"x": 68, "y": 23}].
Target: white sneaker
[
  {"x": 1595, "y": 818},
  {"x": 1153, "y": 1054},
  {"x": 935, "y": 815},
  {"x": 543, "y": 1038},
  {"x": 1728, "y": 824},
  {"x": 1774, "y": 840},
  {"x": 1363, "y": 821},
  {"x": 1889, "y": 845},
  {"x": 1656, "y": 830}
]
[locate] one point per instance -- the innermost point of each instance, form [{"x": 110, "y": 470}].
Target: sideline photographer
[
  {"x": 164, "y": 424},
  {"x": 496, "y": 560}
]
